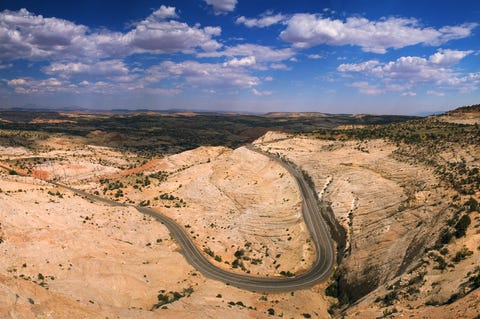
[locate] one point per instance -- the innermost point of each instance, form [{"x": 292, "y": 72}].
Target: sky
[{"x": 337, "y": 56}]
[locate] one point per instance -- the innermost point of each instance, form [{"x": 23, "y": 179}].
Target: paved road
[{"x": 320, "y": 271}]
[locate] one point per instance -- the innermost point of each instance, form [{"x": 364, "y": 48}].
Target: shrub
[
  {"x": 474, "y": 281},
  {"x": 445, "y": 237},
  {"x": 472, "y": 204},
  {"x": 462, "y": 254},
  {"x": 462, "y": 225},
  {"x": 239, "y": 253},
  {"x": 287, "y": 273},
  {"x": 332, "y": 290},
  {"x": 389, "y": 298}
]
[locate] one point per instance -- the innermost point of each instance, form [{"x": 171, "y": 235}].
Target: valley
[{"x": 395, "y": 193}]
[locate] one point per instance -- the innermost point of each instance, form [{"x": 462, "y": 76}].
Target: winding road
[{"x": 320, "y": 270}]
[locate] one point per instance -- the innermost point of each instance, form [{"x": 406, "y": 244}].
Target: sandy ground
[
  {"x": 65, "y": 256},
  {"x": 387, "y": 207}
]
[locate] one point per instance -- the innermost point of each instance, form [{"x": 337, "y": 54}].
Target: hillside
[
  {"x": 403, "y": 198},
  {"x": 463, "y": 115}
]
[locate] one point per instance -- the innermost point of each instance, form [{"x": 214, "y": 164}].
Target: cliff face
[
  {"x": 400, "y": 204},
  {"x": 388, "y": 208}
]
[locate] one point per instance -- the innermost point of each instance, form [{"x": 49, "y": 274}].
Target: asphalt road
[{"x": 320, "y": 270}]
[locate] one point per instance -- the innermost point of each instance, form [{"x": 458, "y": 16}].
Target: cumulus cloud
[
  {"x": 171, "y": 36},
  {"x": 222, "y": 6},
  {"x": 27, "y": 36},
  {"x": 279, "y": 66},
  {"x": 154, "y": 34},
  {"x": 438, "y": 69},
  {"x": 29, "y": 86},
  {"x": 165, "y": 13},
  {"x": 113, "y": 85},
  {"x": 260, "y": 52},
  {"x": 464, "y": 83},
  {"x": 24, "y": 35},
  {"x": 247, "y": 61},
  {"x": 308, "y": 30},
  {"x": 411, "y": 68},
  {"x": 265, "y": 20},
  {"x": 448, "y": 57},
  {"x": 103, "y": 68},
  {"x": 359, "y": 67},
  {"x": 209, "y": 74},
  {"x": 367, "y": 88}
]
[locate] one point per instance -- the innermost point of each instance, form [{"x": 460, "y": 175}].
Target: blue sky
[{"x": 344, "y": 56}]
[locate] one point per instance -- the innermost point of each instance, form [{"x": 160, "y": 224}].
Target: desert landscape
[
  {"x": 239, "y": 159},
  {"x": 400, "y": 201}
]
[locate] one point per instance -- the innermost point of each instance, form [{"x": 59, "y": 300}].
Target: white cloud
[
  {"x": 260, "y": 52},
  {"x": 103, "y": 68},
  {"x": 405, "y": 72},
  {"x": 24, "y": 35},
  {"x": 165, "y": 13},
  {"x": 261, "y": 93},
  {"x": 265, "y": 20},
  {"x": 29, "y": 86},
  {"x": 448, "y": 57},
  {"x": 17, "y": 82},
  {"x": 222, "y": 6},
  {"x": 164, "y": 92},
  {"x": 367, "y": 88},
  {"x": 415, "y": 69},
  {"x": 308, "y": 30},
  {"x": 247, "y": 61},
  {"x": 209, "y": 75},
  {"x": 279, "y": 66},
  {"x": 359, "y": 67},
  {"x": 154, "y": 34},
  {"x": 315, "y": 56},
  {"x": 463, "y": 83},
  {"x": 433, "y": 92},
  {"x": 409, "y": 94},
  {"x": 171, "y": 36}
]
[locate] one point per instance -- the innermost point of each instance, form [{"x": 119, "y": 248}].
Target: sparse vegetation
[
  {"x": 462, "y": 254},
  {"x": 462, "y": 225},
  {"x": 418, "y": 142},
  {"x": 388, "y": 299},
  {"x": 172, "y": 296}
]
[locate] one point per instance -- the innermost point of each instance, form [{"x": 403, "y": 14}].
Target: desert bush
[
  {"x": 462, "y": 254},
  {"x": 462, "y": 225}
]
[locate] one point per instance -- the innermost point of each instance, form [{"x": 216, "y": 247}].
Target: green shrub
[
  {"x": 472, "y": 204},
  {"x": 462, "y": 254},
  {"x": 332, "y": 289},
  {"x": 462, "y": 225}
]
